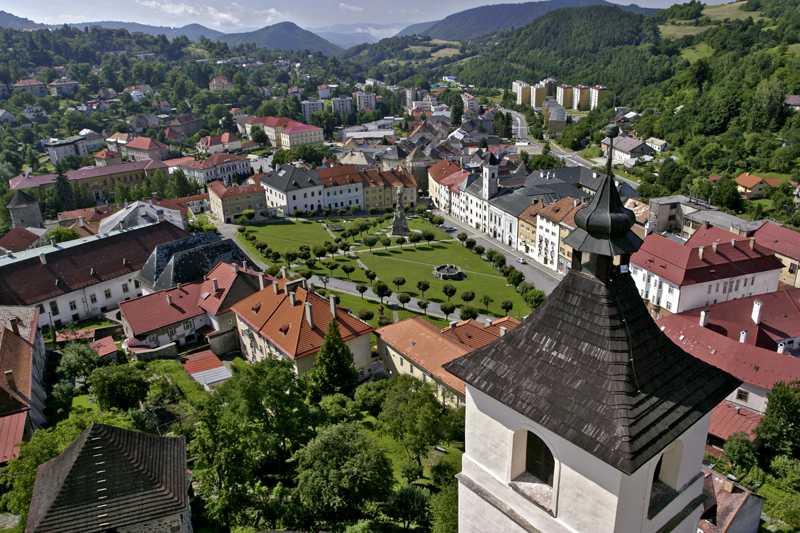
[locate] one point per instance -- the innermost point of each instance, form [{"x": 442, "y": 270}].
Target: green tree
[
  {"x": 422, "y": 286},
  {"x": 333, "y": 370},
  {"x": 414, "y": 238},
  {"x": 467, "y": 296},
  {"x": 515, "y": 277},
  {"x": 447, "y": 308},
  {"x": 339, "y": 473},
  {"x": 486, "y": 300},
  {"x": 348, "y": 269},
  {"x": 403, "y": 298},
  {"x": 409, "y": 505},
  {"x": 449, "y": 290},
  {"x": 63, "y": 190},
  {"x": 118, "y": 386},
  {"x": 740, "y": 451},
  {"x": 444, "y": 510},
  {"x": 423, "y": 304},
  {"x": 779, "y": 429},
  {"x": 398, "y": 282},
  {"x": 370, "y": 275},
  {"x": 411, "y": 416},
  {"x": 361, "y": 288},
  {"x": 469, "y": 312},
  {"x": 470, "y": 244},
  {"x": 370, "y": 241},
  {"x": 401, "y": 241},
  {"x": 63, "y": 234},
  {"x": 462, "y": 237},
  {"x": 382, "y": 290},
  {"x": 428, "y": 235},
  {"x": 19, "y": 474},
  {"x": 257, "y": 135},
  {"x": 365, "y": 314},
  {"x": 78, "y": 360},
  {"x": 506, "y": 305},
  {"x": 180, "y": 186},
  {"x": 534, "y": 298}
]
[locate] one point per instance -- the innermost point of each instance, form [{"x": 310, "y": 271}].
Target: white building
[
  {"x": 674, "y": 277},
  {"x": 311, "y": 105},
  {"x": 58, "y": 149},
  {"x": 342, "y": 105},
  {"x": 292, "y": 189},
  {"x": 219, "y": 166},
  {"x": 366, "y": 101},
  {"x": 81, "y": 279},
  {"x": 561, "y": 435},
  {"x": 343, "y": 187}
]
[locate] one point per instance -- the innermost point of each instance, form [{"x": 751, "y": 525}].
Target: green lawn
[
  {"x": 699, "y": 51},
  {"x": 82, "y": 400},
  {"x": 355, "y": 303},
  {"x": 730, "y": 11},
  {"x": 289, "y": 234},
  {"x": 192, "y": 390},
  {"x": 398, "y": 455},
  {"x": 669, "y": 31},
  {"x": 93, "y": 323},
  {"x": 591, "y": 152}
]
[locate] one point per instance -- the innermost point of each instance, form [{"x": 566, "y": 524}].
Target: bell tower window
[{"x": 539, "y": 460}]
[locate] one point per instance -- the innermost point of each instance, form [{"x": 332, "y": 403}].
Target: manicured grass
[
  {"x": 699, "y": 51},
  {"x": 730, "y": 11},
  {"x": 669, "y": 31},
  {"x": 289, "y": 234},
  {"x": 591, "y": 152},
  {"x": 93, "y": 323},
  {"x": 82, "y": 400},
  {"x": 355, "y": 303},
  {"x": 398, "y": 455}
]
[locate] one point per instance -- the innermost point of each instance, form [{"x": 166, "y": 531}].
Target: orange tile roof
[
  {"x": 144, "y": 143},
  {"x": 443, "y": 169},
  {"x": 231, "y": 287},
  {"x": 153, "y": 311},
  {"x": 531, "y": 212},
  {"x": 105, "y": 153},
  {"x": 16, "y": 355},
  {"x": 285, "y": 326},
  {"x": 422, "y": 343},
  {"x": 561, "y": 211},
  {"x": 474, "y": 334},
  {"x": 727, "y": 419},
  {"x": 220, "y": 190},
  {"x": 104, "y": 346},
  {"x": 18, "y": 239},
  {"x": 90, "y": 214},
  {"x": 340, "y": 175},
  {"x": 747, "y": 180},
  {"x": 201, "y": 361},
  {"x": 12, "y": 430}
]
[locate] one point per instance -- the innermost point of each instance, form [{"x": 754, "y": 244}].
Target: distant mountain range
[
  {"x": 485, "y": 20},
  {"x": 282, "y": 36},
  {"x": 7, "y": 20},
  {"x": 192, "y": 31}
]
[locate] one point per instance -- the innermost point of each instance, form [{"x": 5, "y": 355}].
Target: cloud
[
  {"x": 172, "y": 9},
  {"x": 232, "y": 15},
  {"x": 223, "y": 18},
  {"x": 350, "y": 8}
]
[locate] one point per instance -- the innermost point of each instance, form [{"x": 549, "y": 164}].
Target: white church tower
[
  {"x": 489, "y": 174},
  {"x": 587, "y": 418}
]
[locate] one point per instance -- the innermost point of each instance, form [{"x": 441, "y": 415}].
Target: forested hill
[
  {"x": 491, "y": 19},
  {"x": 282, "y": 36},
  {"x": 594, "y": 44},
  {"x": 7, "y": 20},
  {"x": 190, "y": 31}
]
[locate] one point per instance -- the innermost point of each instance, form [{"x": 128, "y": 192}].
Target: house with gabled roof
[
  {"x": 288, "y": 320},
  {"x": 343, "y": 187},
  {"x": 292, "y": 189},
  {"x": 212, "y": 144},
  {"x": 113, "y": 479},
  {"x": 785, "y": 244},
  {"x": 18, "y": 239},
  {"x": 187, "y": 124},
  {"x": 220, "y": 83},
  {"x": 754, "y": 186},
  {"x": 145, "y": 148}
]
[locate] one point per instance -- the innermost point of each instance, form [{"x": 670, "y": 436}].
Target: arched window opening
[{"x": 539, "y": 460}]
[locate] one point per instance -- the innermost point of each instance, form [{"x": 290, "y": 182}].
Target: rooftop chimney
[
  {"x": 704, "y": 225},
  {"x": 453, "y": 323},
  {"x": 244, "y": 266},
  {"x": 332, "y": 298},
  {"x": 275, "y": 286},
  {"x": 489, "y": 321},
  {"x": 214, "y": 284},
  {"x": 261, "y": 281},
  {"x": 743, "y": 336},
  {"x": 291, "y": 299},
  {"x": 42, "y": 259},
  {"x": 704, "y": 316},
  {"x": 53, "y": 241},
  {"x": 235, "y": 268},
  {"x": 169, "y": 299},
  {"x": 283, "y": 272},
  {"x": 14, "y": 323},
  {"x": 752, "y": 243},
  {"x": 80, "y": 222},
  {"x": 733, "y": 243},
  {"x": 503, "y": 330},
  {"x": 309, "y": 314},
  {"x": 700, "y": 252},
  {"x": 714, "y": 246},
  {"x": 10, "y": 379},
  {"x": 781, "y": 347},
  {"x": 756, "y": 315}
]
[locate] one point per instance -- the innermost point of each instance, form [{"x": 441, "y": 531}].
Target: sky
[{"x": 227, "y": 16}]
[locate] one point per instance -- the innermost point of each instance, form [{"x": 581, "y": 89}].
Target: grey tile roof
[
  {"x": 110, "y": 478},
  {"x": 162, "y": 254},
  {"x": 289, "y": 178},
  {"x": 191, "y": 265},
  {"x": 22, "y": 199},
  {"x": 590, "y": 365}
]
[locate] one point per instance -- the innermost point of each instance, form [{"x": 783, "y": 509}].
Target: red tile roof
[
  {"x": 727, "y": 419},
  {"x": 747, "y": 180},
  {"x": 220, "y": 190},
  {"x": 179, "y": 161},
  {"x": 153, "y": 311},
  {"x": 23, "y": 182},
  {"x": 28, "y": 83},
  {"x": 270, "y": 314},
  {"x": 18, "y": 239},
  {"x": 201, "y": 361},
  {"x": 232, "y": 287},
  {"x": 104, "y": 346},
  {"x": 12, "y": 431},
  {"x": 339, "y": 175},
  {"x": 144, "y": 143},
  {"x": 275, "y": 122},
  {"x": 748, "y": 363},
  {"x": 28, "y": 281},
  {"x": 779, "y": 239},
  {"x": 65, "y": 336},
  {"x": 170, "y": 133},
  {"x": 681, "y": 263},
  {"x": 474, "y": 334},
  {"x": 300, "y": 128},
  {"x": 443, "y": 169},
  {"x": 90, "y": 214},
  {"x": 105, "y": 153},
  {"x": 16, "y": 355},
  {"x": 422, "y": 343},
  {"x": 210, "y": 162},
  {"x": 215, "y": 140}
]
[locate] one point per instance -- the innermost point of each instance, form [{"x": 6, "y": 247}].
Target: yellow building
[
  {"x": 228, "y": 203},
  {"x": 538, "y": 95},
  {"x": 597, "y": 95},
  {"x": 301, "y": 135},
  {"x": 564, "y": 96},
  {"x": 580, "y": 97}
]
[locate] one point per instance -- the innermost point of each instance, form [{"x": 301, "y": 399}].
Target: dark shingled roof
[
  {"x": 591, "y": 365},
  {"x": 136, "y": 477},
  {"x": 163, "y": 253},
  {"x": 191, "y": 265},
  {"x": 22, "y": 199}
]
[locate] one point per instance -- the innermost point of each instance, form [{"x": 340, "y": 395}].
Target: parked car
[{"x": 521, "y": 261}]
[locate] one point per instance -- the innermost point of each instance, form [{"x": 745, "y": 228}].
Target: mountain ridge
[{"x": 277, "y": 35}]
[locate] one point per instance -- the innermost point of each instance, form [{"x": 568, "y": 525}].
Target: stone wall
[
  {"x": 177, "y": 523},
  {"x": 168, "y": 351}
]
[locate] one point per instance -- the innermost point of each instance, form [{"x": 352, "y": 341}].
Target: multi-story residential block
[
  {"x": 342, "y": 105},
  {"x": 99, "y": 181},
  {"x": 312, "y": 105},
  {"x": 556, "y": 117},
  {"x": 288, "y": 321},
  {"x": 366, "y": 101},
  {"x": 227, "y": 203},
  {"x": 323, "y": 91},
  {"x": 581, "y": 99},
  {"x": 34, "y": 112},
  {"x": 538, "y": 95},
  {"x": 117, "y": 141},
  {"x": 712, "y": 266},
  {"x": 564, "y": 95},
  {"x": 554, "y": 223},
  {"x": 218, "y": 167},
  {"x": 597, "y": 95},
  {"x": 63, "y": 87},
  {"x": 436, "y": 174},
  {"x": 522, "y": 91},
  {"x": 292, "y": 189},
  {"x": 343, "y": 187},
  {"x": 34, "y": 87},
  {"x": 301, "y": 135},
  {"x": 472, "y": 104},
  {"x": 213, "y": 144},
  {"x": 220, "y": 83},
  {"x": 58, "y": 149},
  {"x": 388, "y": 188},
  {"x": 145, "y": 148},
  {"x": 80, "y": 279}
]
